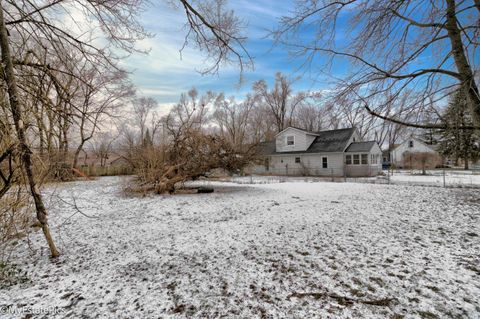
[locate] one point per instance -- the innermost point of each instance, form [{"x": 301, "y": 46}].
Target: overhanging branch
[{"x": 415, "y": 125}]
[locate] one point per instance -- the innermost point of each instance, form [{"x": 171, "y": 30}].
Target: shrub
[{"x": 421, "y": 160}]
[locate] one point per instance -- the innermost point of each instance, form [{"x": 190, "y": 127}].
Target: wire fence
[{"x": 437, "y": 178}]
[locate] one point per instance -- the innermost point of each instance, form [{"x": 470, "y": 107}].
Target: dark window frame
[
  {"x": 348, "y": 159},
  {"x": 292, "y": 142},
  {"x": 324, "y": 162},
  {"x": 364, "y": 159},
  {"x": 356, "y": 159}
]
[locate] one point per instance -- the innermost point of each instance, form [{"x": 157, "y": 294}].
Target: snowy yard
[
  {"x": 435, "y": 177},
  {"x": 453, "y": 178},
  {"x": 285, "y": 250}
]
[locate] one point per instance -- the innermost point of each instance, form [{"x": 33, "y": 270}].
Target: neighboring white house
[
  {"x": 411, "y": 145},
  {"x": 327, "y": 153}
]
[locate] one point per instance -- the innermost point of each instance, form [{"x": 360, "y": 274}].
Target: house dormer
[
  {"x": 354, "y": 138},
  {"x": 294, "y": 139}
]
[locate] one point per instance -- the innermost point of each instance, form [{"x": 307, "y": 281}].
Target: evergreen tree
[
  {"x": 457, "y": 143},
  {"x": 147, "y": 140},
  {"x": 431, "y": 136}
]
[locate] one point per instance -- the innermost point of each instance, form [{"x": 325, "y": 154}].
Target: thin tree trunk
[
  {"x": 25, "y": 151},
  {"x": 76, "y": 155},
  {"x": 65, "y": 147}
]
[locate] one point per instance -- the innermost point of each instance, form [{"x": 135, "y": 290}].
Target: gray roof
[
  {"x": 266, "y": 148},
  {"x": 331, "y": 141},
  {"x": 360, "y": 147},
  {"x": 326, "y": 141}
]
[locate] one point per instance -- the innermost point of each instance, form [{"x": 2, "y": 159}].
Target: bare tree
[
  {"x": 99, "y": 97},
  {"x": 102, "y": 147},
  {"x": 427, "y": 47},
  {"x": 216, "y": 31},
  {"x": 142, "y": 108},
  {"x": 313, "y": 117},
  {"x": 280, "y": 100},
  {"x": 35, "y": 24},
  {"x": 232, "y": 119},
  {"x": 191, "y": 113},
  {"x": 260, "y": 123},
  {"x": 190, "y": 151}
]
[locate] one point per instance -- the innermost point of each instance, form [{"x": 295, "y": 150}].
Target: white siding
[
  {"x": 376, "y": 168},
  {"x": 302, "y": 140},
  {"x": 310, "y": 164},
  {"x": 310, "y": 139},
  {"x": 418, "y": 147},
  {"x": 369, "y": 169}
]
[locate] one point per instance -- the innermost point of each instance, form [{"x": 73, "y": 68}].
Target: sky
[{"x": 165, "y": 73}]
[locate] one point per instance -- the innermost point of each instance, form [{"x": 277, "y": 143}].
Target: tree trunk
[
  {"x": 461, "y": 62},
  {"x": 77, "y": 153},
  {"x": 16, "y": 109}
]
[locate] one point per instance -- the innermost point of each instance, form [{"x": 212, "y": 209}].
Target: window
[
  {"x": 410, "y": 143},
  {"x": 290, "y": 140},
  {"x": 297, "y": 159},
  {"x": 324, "y": 162},
  {"x": 364, "y": 159},
  {"x": 348, "y": 160},
  {"x": 356, "y": 159}
]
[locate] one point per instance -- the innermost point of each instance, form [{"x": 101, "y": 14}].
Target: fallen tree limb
[{"x": 343, "y": 300}]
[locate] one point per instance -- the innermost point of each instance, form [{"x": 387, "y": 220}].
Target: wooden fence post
[{"x": 444, "y": 184}]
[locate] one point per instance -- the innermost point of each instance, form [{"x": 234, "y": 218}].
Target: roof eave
[{"x": 294, "y": 128}]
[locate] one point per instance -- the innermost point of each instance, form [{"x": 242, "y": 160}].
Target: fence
[
  {"x": 106, "y": 170},
  {"x": 303, "y": 171},
  {"x": 438, "y": 178}
]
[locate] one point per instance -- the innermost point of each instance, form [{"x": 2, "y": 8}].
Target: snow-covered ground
[
  {"x": 435, "y": 177},
  {"x": 403, "y": 177},
  {"x": 284, "y": 250}
]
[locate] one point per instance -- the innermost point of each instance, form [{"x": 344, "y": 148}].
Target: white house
[
  {"x": 411, "y": 145},
  {"x": 326, "y": 153}
]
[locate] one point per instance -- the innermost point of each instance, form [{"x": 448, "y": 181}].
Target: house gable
[
  {"x": 354, "y": 138},
  {"x": 293, "y": 140},
  {"x": 412, "y": 145}
]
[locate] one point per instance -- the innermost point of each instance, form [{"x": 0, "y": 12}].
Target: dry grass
[{"x": 15, "y": 219}]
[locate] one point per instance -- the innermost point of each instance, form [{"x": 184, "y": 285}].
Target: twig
[{"x": 77, "y": 211}]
